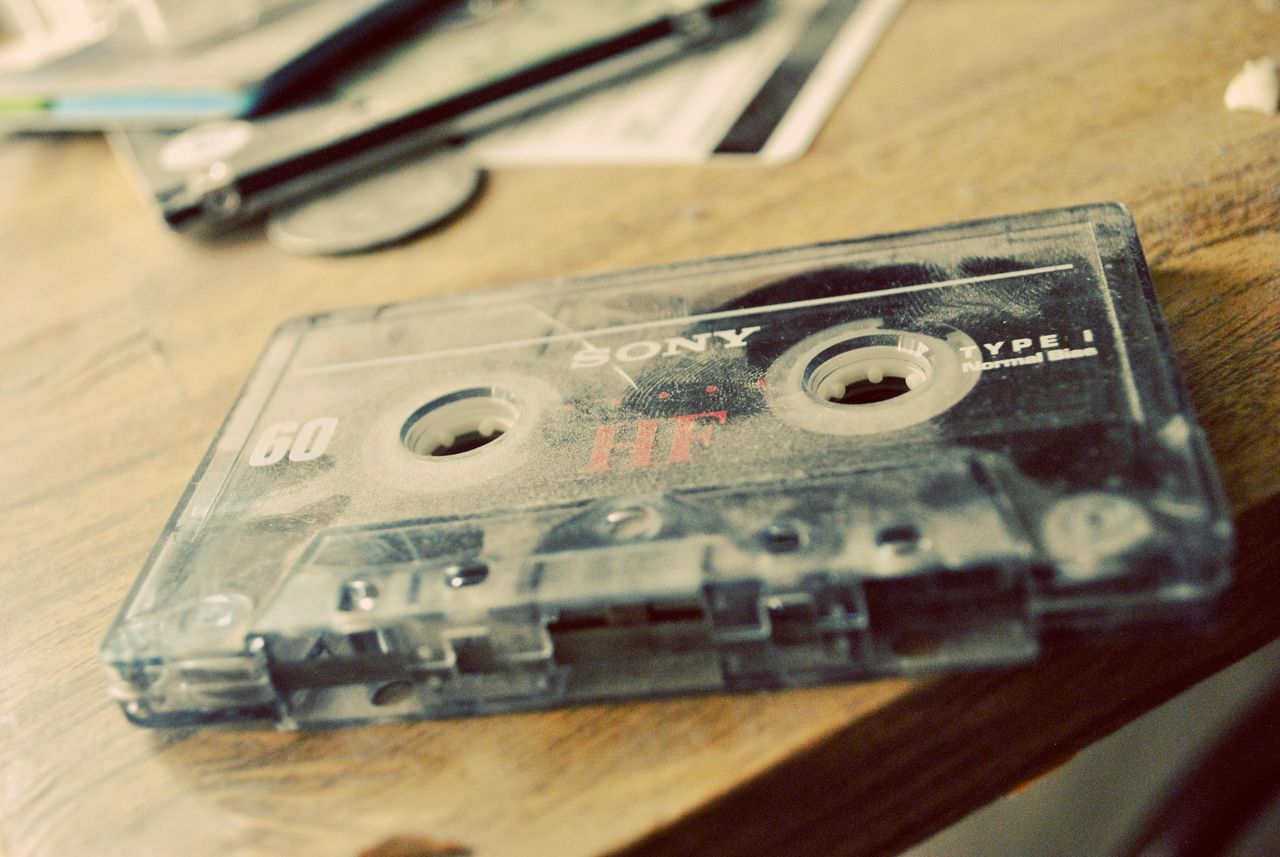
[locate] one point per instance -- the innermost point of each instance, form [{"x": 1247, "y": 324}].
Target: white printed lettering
[
  {"x": 698, "y": 343},
  {"x": 642, "y": 350},
  {"x": 590, "y": 356},
  {"x": 736, "y": 338}
]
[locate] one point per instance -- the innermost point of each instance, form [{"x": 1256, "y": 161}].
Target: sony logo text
[{"x": 646, "y": 349}]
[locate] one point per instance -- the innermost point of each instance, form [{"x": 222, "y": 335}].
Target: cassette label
[{"x": 875, "y": 457}]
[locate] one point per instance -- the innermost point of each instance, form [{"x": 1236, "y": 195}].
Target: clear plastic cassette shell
[{"x": 916, "y": 452}]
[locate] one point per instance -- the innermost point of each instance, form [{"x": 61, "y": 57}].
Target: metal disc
[{"x": 378, "y": 210}]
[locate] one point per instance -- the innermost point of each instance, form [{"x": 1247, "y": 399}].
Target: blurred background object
[
  {"x": 327, "y": 94},
  {"x": 36, "y": 31},
  {"x": 144, "y": 63}
]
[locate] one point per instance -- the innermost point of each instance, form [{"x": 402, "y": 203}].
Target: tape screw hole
[
  {"x": 391, "y": 693},
  {"x": 900, "y": 538},
  {"x": 780, "y": 538},
  {"x": 633, "y": 522},
  {"x": 458, "y": 576},
  {"x": 358, "y": 595}
]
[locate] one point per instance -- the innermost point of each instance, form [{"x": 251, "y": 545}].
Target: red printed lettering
[
  {"x": 688, "y": 430},
  {"x": 606, "y": 443}
]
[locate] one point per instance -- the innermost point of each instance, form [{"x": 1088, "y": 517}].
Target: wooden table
[{"x": 123, "y": 347}]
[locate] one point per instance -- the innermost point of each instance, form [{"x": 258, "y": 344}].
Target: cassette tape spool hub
[
  {"x": 877, "y": 457},
  {"x": 862, "y": 379}
]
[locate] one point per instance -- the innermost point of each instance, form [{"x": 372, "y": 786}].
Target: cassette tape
[{"x": 917, "y": 452}]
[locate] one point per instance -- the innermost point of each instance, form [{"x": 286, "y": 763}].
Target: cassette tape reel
[{"x": 914, "y": 452}]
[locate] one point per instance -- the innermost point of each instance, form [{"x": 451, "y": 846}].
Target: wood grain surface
[{"x": 122, "y": 347}]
